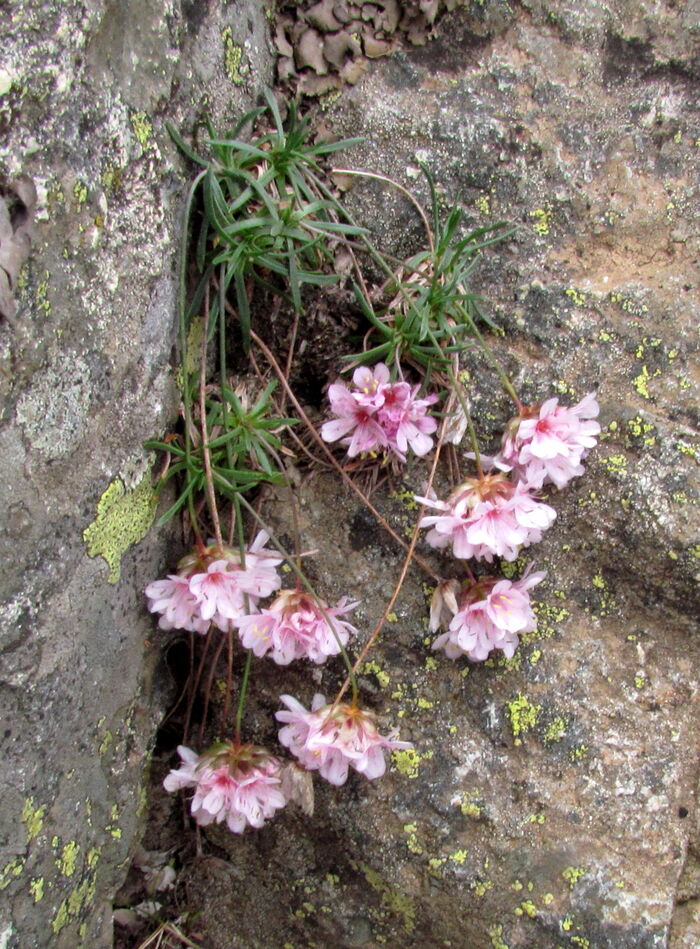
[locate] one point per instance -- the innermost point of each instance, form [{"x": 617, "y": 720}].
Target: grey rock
[{"x": 85, "y": 379}]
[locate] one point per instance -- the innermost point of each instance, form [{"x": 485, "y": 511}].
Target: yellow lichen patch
[
  {"x": 412, "y": 841},
  {"x": 36, "y": 888},
  {"x": 527, "y": 908},
  {"x": 233, "y": 56},
  {"x": 641, "y": 381},
  {"x": 469, "y": 807},
  {"x": 10, "y": 871},
  {"x": 483, "y": 203},
  {"x": 407, "y": 498},
  {"x": 573, "y": 874},
  {"x": 69, "y": 856},
  {"x": 542, "y": 218},
  {"x": 74, "y": 903},
  {"x": 407, "y": 761},
  {"x": 123, "y": 519},
  {"x": 576, "y": 296},
  {"x": 459, "y": 856},
  {"x": 616, "y": 464},
  {"x": 143, "y": 129},
  {"x": 522, "y": 715},
  {"x": 373, "y": 668},
  {"x": 480, "y": 887},
  {"x": 393, "y": 900},
  {"x": 496, "y": 936},
  {"x": 33, "y": 818},
  {"x": 555, "y": 731}
]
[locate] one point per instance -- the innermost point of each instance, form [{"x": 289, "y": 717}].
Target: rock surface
[
  {"x": 85, "y": 368},
  {"x": 551, "y": 799}
]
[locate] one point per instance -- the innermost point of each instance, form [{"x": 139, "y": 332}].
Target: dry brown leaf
[
  {"x": 311, "y": 85},
  {"x": 343, "y": 182},
  {"x": 354, "y": 70},
  {"x": 338, "y": 46},
  {"x": 375, "y": 48},
  {"x": 341, "y": 12},
  {"x": 309, "y": 52},
  {"x": 285, "y": 68},
  {"x": 321, "y": 16},
  {"x": 370, "y": 12},
  {"x": 284, "y": 47},
  {"x": 429, "y": 8},
  {"x": 390, "y": 16}
]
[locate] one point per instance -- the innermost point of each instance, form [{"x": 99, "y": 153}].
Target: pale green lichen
[
  {"x": 527, "y": 908},
  {"x": 66, "y": 863},
  {"x": 143, "y": 129},
  {"x": 123, "y": 519},
  {"x": 496, "y": 936},
  {"x": 33, "y": 818},
  {"x": 393, "y": 900},
  {"x": 36, "y": 888},
  {"x": 233, "y": 56},
  {"x": 412, "y": 839},
  {"x": 373, "y": 668},
  {"x": 522, "y": 715},
  {"x": 542, "y": 220},
  {"x": 576, "y": 296},
  {"x": 573, "y": 874},
  {"x": 483, "y": 204},
  {"x": 408, "y": 761},
  {"x": 555, "y": 731},
  {"x": 10, "y": 871}
]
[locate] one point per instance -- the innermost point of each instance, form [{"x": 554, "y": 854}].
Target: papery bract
[
  {"x": 331, "y": 739},
  {"x": 548, "y": 442},
  {"x": 491, "y": 614},
  {"x": 487, "y": 517},
  {"x": 235, "y": 784},
  {"x": 294, "y": 627}
]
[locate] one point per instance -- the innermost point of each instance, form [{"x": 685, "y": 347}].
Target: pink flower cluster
[
  {"x": 379, "y": 416},
  {"x": 547, "y": 443},
  {"x": 487, "y": 517},
  {"x": 333, "y": 738},
  {"x": 235, "y": 784},
  {"x": 295, "y": 626},
  {"x": 488, "y": 615},
  {"x": 211, "y": 587}
]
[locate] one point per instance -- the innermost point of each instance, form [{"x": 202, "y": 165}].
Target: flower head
[
  {"x": 547, "y": 443},
  {"x": 377, "y": 415},
  {"x": 487, "y": 517},
  {"x": 333, "y": 738},
  {"x": 491, "y": 614},
  {"x": 295, "y": 626},
  {"x": 235, "y": 784},
  {"x": 178, "y": 606},
  {"x": 212, "y": 585}
]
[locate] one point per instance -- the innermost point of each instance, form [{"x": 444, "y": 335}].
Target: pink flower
[
  {"x": 235, "y": 784},
  {"x": 547, "y": 443},
  {"x": 294, "y": 627},
  {"x": 491, "y": 614},
  {"x": 379, "y": 416},
  {"x": 211, "y": 586},
  {"x": 176, "y": 603},
  {"x": 487, "y": 517},
  {"x": 332, "y": 739}
]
